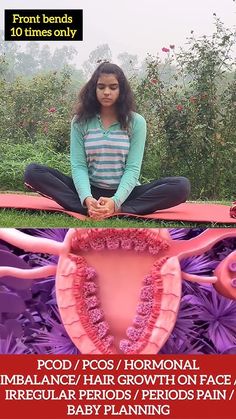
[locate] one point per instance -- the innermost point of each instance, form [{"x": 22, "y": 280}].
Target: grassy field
[{"x": 43, "y": 219}]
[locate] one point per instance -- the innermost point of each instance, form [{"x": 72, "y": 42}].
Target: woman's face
[{"x": 107, "y": 90}]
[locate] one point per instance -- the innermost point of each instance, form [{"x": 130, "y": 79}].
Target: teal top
[{"x": 107, "y": 158}]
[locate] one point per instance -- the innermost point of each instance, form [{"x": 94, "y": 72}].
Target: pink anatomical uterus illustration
[{"x": 118, "y": 290}]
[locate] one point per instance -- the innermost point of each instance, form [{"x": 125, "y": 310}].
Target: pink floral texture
[
  {"x": 193, "y": 99},
  {"x": 153, "y": 81}
]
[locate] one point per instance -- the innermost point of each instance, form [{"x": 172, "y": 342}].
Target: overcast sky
[{"x": 136, "y": 26}]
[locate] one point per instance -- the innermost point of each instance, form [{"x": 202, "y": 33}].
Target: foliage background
[{"x": 188, "y": 99}]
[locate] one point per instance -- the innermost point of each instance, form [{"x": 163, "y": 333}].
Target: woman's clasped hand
[{"x": 101, "y": 208}]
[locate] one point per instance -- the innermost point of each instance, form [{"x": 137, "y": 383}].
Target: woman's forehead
[{"x": 105, "y": 78}]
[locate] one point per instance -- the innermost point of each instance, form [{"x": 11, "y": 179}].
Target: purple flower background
[{"x": 30, "y": 322}]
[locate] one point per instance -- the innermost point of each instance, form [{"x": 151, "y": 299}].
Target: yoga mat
[
  {"x": 194, "y": 212},
  {"x": 34, "y": 202}
]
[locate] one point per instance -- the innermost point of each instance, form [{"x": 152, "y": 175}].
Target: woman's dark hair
[{"x": 88, "y": 106}]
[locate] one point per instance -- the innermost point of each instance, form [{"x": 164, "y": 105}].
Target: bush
[
  {"x": 18, "y": 156},
  {"x": 191, "y": 114},
  {"x": 38, "y": 108}
]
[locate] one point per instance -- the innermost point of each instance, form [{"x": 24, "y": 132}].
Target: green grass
[{"x": 43, "y": 219}]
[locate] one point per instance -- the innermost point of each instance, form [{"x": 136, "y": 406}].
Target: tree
[
  {"x": 45, "y": 58},
  {"x": 8, "y": 53},
  {"x": 128, "y": 63},
  {"x": 62, "y": 57},
  {"x": 101, "y": 53},
  {"x": 32, "y": 59}
]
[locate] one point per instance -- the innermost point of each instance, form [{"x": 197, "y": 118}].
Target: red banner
[{"x": 59, "y": 387}]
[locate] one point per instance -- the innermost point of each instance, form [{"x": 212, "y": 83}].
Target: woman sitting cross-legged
[{"x": 107, "y": 147}]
